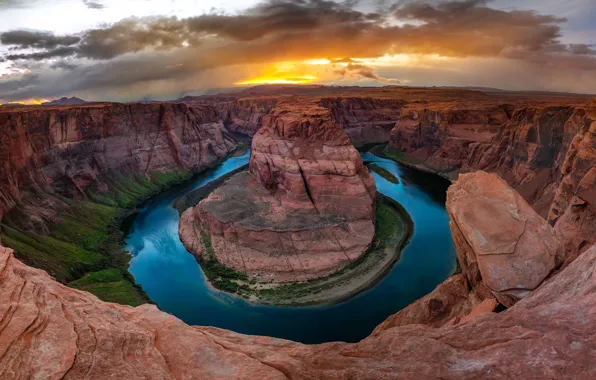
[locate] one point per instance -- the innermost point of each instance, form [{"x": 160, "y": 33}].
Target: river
[{"x": 172, "y": 278}]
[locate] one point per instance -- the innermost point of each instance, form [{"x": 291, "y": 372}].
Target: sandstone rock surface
[
  {"x": 500, "y": 240},
  {"x": 50, "y": 331},
  {"x": 47, "y": 151},
  {"x": 305, "y": 209}
]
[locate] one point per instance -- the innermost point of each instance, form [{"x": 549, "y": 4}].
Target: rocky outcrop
[
  {"x": 365, "y": 120},
  {"x": 50, "y": 331},
  {"x": 574, "y": 206},
  {"x": 64, "y": 151},
  {"x": 501, "y": 242},
  {"x": 305, "y": 210},
  {"x": 245, "y": 116}
]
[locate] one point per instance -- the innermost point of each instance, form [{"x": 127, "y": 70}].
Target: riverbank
[
  {"x": 394, "y": 227},
  {"x": 383, "y": 173},
  {"x": 386, "y": 151}
]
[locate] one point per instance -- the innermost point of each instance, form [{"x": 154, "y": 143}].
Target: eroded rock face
[
  {"x": 54, "y": 332},
  {"x": 545, "y": 152},
  {"x": 245, "y": 115},
  {"x": 305, "y": 210},
  {"x": 526, "y": 146},
  {"x": 500, "y": 240},
  {"x": 63, "y": 151},
  {"x": 574, "y": 207},
  {"x": 365, "y": 120}
]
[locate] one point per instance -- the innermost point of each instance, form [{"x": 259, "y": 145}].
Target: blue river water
[{"x": 172, "y": 278}]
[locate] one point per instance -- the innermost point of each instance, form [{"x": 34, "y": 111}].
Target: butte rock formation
[
  {"x": 304, "y": 210},
  {"x": 50, "y": 331}
]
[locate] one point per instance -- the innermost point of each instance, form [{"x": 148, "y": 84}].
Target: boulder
[{"x": 500, "y": 240}]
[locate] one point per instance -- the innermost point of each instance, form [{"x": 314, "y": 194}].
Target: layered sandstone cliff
[
  {"x": 305, "y": 210},
  {"x": 366, "y": 120},
  {"x": 64, "y": 151},
  {"x": 544, "y": 150},
  {"x": 53, "y": 332}
]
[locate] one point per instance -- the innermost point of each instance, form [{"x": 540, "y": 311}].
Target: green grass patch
[
  {"x": 383, "y": 173},
  {"x": 62, "y": 260},
  {"x": 111, "y": 285}
]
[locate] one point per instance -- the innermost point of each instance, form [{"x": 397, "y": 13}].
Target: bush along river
[{"x": 172, "y": 278}]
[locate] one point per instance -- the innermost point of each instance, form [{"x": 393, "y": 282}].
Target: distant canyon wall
[{"x": 64, "y": 151}]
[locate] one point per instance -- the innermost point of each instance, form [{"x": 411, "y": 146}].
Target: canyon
[
  {"x": 522, "y": 210},
  {"x": 447, "y": 334},
  {"x": 304, "y": 210},
  {"x": 71, "y": 174}
]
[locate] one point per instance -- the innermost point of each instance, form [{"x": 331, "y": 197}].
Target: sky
[{"x": 165, "y": 49}]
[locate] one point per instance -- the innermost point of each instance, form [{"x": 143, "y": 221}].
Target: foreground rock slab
[
  {"x": 50, "y": 331},
  {"x": 500, "y": 240}
]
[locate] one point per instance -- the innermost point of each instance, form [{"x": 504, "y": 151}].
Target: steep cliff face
[
  {"x": 365, "y": 120},
  {"x": 305, "y": 210},
  {"x": 546, "y": 153},
  {"x": 245, "y": 115},
  {"x": 574, "y": 206},
  {"x": 64, "y": 151},
  {"x": 526, "y": 146}
]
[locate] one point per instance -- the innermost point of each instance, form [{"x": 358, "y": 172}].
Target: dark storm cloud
[
  {"x": 36, "y": 39},
  {"x": 470, "y": 27},
  {"x": 140, "y": 50},
  {"x": 452, "y": 28},
  {"x": 265, "y": 20}
]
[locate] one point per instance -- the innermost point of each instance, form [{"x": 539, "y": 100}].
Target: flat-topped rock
[{"x": 304, "y": 210}]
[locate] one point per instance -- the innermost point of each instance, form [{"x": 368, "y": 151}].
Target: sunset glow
[
  {"x": 279, "y": 80},
  {"x": 125, "y": 51},
  {"x": 27, "y": 102}
]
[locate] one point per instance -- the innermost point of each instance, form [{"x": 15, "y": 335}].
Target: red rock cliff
[{"x": 64, "y": 150}]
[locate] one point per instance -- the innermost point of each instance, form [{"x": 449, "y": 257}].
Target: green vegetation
[
  {"x": 383, "y": 173},
  {"x": 387, "y": 151},
  {"x": 219, "y": 275},
  {"x": 82, "y": 246},
  {"x": 111, "y": 284}
]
